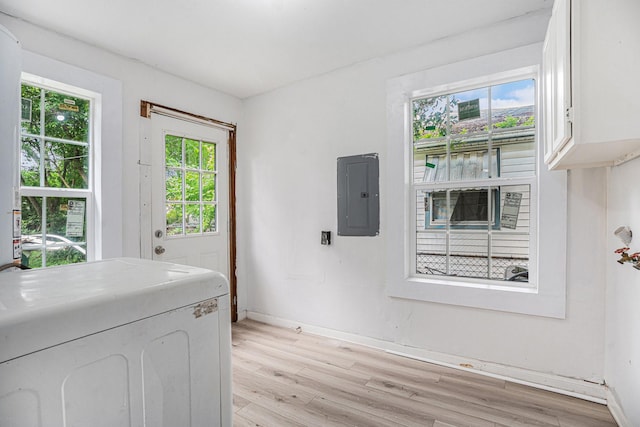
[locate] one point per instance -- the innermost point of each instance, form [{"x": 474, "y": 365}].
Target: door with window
[{"x": 190, "y": 193}]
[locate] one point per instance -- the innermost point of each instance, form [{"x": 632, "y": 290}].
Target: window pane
[
  {"x": 513, "y": 105},
  {"x": 208, "y": 156},
  {"x": 30, "y": 162},
  {"x": 431, "y": 241},
  {"x": 510, "y": 246},
  {"x": 30, "y": 117},
  {"x": 66, "y": 165},
  {"x": 173, "y": 151},
  {"x": 469, "y": 112},
  {"x": 63, "y": 255},
  {"x": 56, "y": 225},
  {"x": 209, "y": 218},
  {"x": 192, "y": 186},
  {"x": 31, "y": 216},
  {"x": 192, "y": 220},
  {"x": 173, "y": 215},
  {"x": 517, "y": 156},
  {"x": 470, "y": 161},
  {"x": 468, "y": 254},
  {"x": 430, "y": 118},
  {"x": 208, "y": 187},
  {"x": 66, "y": 117},
  {"x": 192, "y": 153},
  {"x": 173, "y": 184},
  {"x": 430, "y": 162},
  {"x": 66, "y": 219}
]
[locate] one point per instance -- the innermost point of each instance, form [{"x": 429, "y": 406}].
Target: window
[
  {"x": 472, "y": 209},
  {"x": 55, "y": 175},
  {"x": 439, "y": 158},
  {"x": 190, "y": 182}
]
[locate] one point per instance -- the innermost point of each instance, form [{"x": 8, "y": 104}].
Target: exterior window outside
[
  {"x": 55, "y": 175},
  {"x": 473, "y": 179}
]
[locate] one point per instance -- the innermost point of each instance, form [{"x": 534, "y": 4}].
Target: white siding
[{"x": 504, "y": 245}]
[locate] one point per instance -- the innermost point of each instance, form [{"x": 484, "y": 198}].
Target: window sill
[{"x": 524, "y": 300}]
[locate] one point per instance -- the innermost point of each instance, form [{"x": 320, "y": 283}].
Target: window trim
[
  {"x": 107, "y": 214},
  {"x": 548, "y": 297},
  {"x": 87, "y": 194}
]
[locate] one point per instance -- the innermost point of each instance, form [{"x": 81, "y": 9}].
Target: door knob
[{"x": 159, "y": 250}]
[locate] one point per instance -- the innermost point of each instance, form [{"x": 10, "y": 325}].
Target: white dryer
[{"x": 115, "y": 343}]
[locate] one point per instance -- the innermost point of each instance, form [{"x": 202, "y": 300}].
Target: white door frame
[{"x": 146, "y": 226}]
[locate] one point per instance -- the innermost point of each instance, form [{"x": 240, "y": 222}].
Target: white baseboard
[
  {"x": 616, "y": 409},
  {"x": 551, "y": 382}
]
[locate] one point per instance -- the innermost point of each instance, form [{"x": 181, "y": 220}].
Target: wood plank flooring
[{"x": 283, "y": 377}]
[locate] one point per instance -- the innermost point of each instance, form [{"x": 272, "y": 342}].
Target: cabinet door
[{"x": 557, "y": 79}]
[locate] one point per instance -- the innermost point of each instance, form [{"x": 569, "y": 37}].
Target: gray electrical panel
[{"x": 358, "y": 195}]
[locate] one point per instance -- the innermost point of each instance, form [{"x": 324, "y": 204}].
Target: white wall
[
  {"x": 287, "y": 181},
  {"x": 139, "y": 82},
  {"x": 288, "y": 144},
  {"x": 622, "y": 369}
]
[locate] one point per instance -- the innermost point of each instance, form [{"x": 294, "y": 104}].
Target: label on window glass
[
  {"x": 510, "y": 210},
  {"x": 75, "y": 218},
  {"x": 469, "y": 109},
  {"x": 66, "y": 107}
]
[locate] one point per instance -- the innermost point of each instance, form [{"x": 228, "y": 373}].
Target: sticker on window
[
  {"x": 510, "y": 210},
  {"x": 75, "y": 218}
]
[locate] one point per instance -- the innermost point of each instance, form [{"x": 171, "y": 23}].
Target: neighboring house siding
[{"x": 508, "y": 246}]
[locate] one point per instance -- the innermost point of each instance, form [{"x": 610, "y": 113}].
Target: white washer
[{"x": 122, "y": 342}]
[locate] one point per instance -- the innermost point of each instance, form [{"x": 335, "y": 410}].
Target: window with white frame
[
  {"x": 56, "y": 174},
  {"x": 473, "y": 175}
]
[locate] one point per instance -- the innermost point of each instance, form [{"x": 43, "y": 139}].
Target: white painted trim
[
  {"x": 616, "y": 409},
  {"x": 546, "y": 381}
]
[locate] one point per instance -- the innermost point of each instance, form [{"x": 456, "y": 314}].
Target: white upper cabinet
[{"x": 590, "y": 82}]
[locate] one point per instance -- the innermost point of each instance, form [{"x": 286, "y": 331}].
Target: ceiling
[{"x": 248, "y": 47}]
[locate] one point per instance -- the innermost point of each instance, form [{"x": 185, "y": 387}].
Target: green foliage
[
  {"x": 531, "y": 121},
  {"x": 190, "y": 182},
  {"x": 508, "y": 122},
  {"x": 430, "y": 117}
]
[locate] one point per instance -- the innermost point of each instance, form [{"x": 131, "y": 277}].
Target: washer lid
[{"x": 45, "y": 307}]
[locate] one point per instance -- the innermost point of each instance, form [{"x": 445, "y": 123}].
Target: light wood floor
[{"x": 285, "y": 377}]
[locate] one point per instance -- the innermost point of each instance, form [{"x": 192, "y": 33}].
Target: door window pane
[
  {"x": 190, "y": 186},
  {"x": 208, "y": 156}
]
